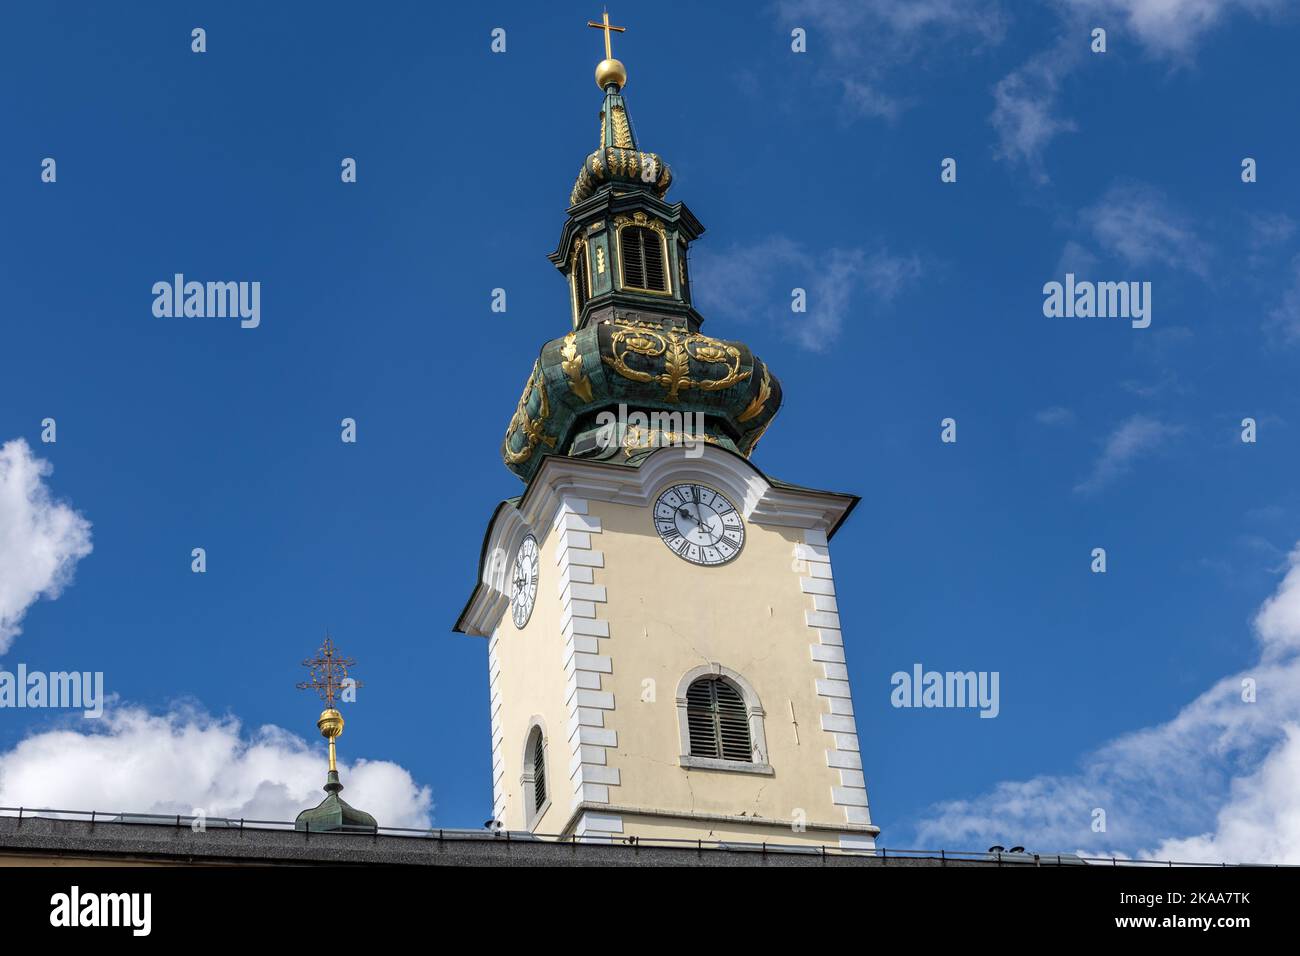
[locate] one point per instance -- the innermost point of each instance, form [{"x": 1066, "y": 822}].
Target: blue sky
[{"x": 817, "y": 170}]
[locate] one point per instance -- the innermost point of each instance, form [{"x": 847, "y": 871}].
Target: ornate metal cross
[
  {"x": 329, "y": 672},
  {"x": 609, "y": 54}
]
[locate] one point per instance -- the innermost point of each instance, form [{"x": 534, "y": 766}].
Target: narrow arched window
[
  {"x": 718, "y": 721},
  {"x": 682, "y": 283},
  {"x": 643, "y": 259},
  {"x": 537, "y": 752},
  {"x": 581, "y": 277}
]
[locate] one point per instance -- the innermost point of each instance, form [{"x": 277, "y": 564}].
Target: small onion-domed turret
[{"x": 329, "y": 676}]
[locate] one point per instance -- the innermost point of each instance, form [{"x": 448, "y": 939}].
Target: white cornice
[{"x": 559, "y": 477}]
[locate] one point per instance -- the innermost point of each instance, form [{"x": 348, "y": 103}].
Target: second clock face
[
  {"x": 523, "y": 581},
  {"x": 699, "y": 524}
]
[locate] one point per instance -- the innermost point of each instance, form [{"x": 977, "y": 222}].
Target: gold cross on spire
[
  {"x": 329, "y": 673},
  {"x": 605, "y": 25}
]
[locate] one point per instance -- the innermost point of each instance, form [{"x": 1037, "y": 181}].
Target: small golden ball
[
  {"x": 330, "y": 723},
  {"x": 611, "y": 71}
]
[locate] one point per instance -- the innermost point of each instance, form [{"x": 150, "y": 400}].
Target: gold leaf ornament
[
  {"x": 579, "y": 383},
  {"x": 532, "y": 428},
  {"x": 756, "y": 406},
  {"x": 677, "y": 348}
]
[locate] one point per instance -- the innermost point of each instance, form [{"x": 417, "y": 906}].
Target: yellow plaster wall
[
  {"x": 533, "y": 683},
  {"x": 667, "y": 616}
]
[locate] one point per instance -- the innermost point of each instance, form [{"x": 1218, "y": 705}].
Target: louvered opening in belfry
[
  {"x": 681, "y": 271},
  {"x": 581, "y": 279},
  {"x": 643, "y": 259},
  {"x": 718, "y": 721},
  {"x": 539, "y": 770}
]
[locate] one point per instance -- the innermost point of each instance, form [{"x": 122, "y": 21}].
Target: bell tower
[{"x": 665, "y": 653}]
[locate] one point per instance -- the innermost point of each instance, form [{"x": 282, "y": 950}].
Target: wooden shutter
[
  {"x": 718, "y": 721},
  {"x": 581, "y": 282},
  {"x": 733, "y": 723},
  {"x": 643, "y": 259},
  {"x": 656, "y": 271},
  {"x": 700, "y": 718},
  {"x": 539, "y": 771},
  {"x": 681, "y": 271}
]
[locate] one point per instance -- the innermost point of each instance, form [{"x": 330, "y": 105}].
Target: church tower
[{"x": 664, "y": 646}]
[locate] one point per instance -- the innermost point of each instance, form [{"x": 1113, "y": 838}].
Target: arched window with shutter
[
  {"x": 721, "y": 722},
  {"x": 644, "y": 258},
  {"x": 539, "y": 770},
  {"x": 532, "y": 779}
]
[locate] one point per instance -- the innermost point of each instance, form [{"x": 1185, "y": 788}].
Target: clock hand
[
  {"x": 707, "y": 529},
  {"x": 693, "y": 517}
]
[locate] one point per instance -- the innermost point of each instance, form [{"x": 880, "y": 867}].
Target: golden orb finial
[
  {"x": 609, "y": 70},
  {"x": 330, "y": 723}
]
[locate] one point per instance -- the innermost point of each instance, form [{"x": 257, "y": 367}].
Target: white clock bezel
[
  {"x": 530, "y": 592},
  {"x": 685, "y": 552}
]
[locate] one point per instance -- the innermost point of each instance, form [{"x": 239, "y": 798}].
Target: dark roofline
[
  {"x": 166, "y": 837},
  {"x": 172, "y": 839}
]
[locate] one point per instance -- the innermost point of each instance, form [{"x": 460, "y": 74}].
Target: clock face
[
  {"x": 523, "y": 581},
  {"x": 699, "y": 524}
]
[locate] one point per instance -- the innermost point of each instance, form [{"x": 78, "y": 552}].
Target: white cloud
[
  {"x": 1136, "y": 222},
  {"x": 185, "y": 760},
  {"x": 1214, "y": 784},
  {"x": 1278, "y": 621},
  {"x": 1024, "y": 108},
  {"x": 869, "y": 100},
  {"x": 1025, "y": 114},
  {"x": 870, "y": 40},
  {"x": 1055, "y": 415},
  {"x": 1260, "y": 821},
  {"x": 756, "y": 280},
  {"x": 1165, "y": 28},
  {"x": 1267, "y": 236},
  {"x": 1078, "y": 259},
  {"x": 1270, "y": 229},
  {"x": 41, "y": 540},
  {"x": 1135, "y": 437},
  {"x": 1283, "y": 321},
  {"x": 867, "y": 39},
  {"x": 1166, "y": 381},
  {"x": 892, "y": 30}
]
